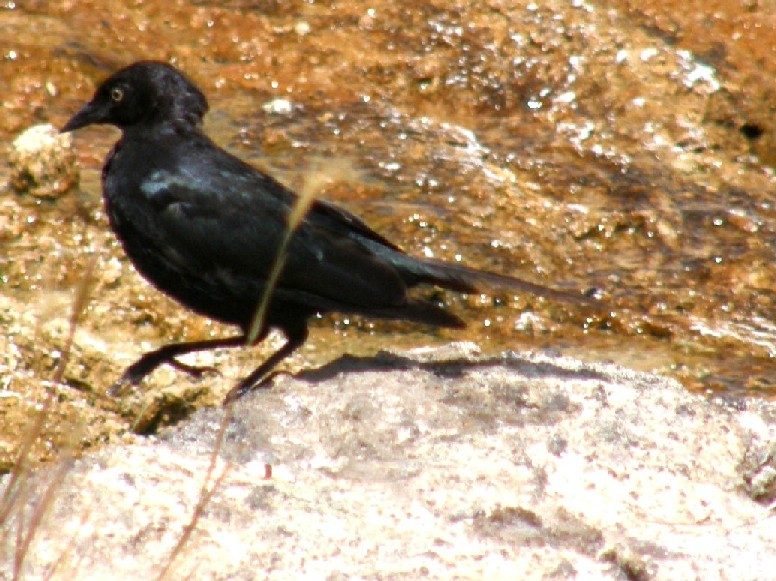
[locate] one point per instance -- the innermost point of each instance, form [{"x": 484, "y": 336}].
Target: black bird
[{"x": 206, "y": 229}]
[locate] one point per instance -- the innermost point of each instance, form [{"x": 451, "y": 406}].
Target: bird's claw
[
  {"x": 120, "y": 385},
  {"x": 246, "y": 386}
]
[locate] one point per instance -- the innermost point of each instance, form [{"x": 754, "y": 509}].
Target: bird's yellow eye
[{"x": 116, "y": 94}]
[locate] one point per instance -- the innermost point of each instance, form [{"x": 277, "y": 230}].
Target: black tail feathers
[{"x": 467, "y": 280}]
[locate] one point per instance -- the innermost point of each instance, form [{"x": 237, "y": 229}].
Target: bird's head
[{"x": 143, "y": 92}]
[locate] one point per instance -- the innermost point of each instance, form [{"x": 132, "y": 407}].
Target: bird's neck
[{"x": 160, "y": 130}]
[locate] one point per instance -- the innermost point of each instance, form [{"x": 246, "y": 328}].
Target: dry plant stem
[
  {"x": 80, "y": 301},
  {"x": 68, "y": 551},
  {"x": 24, "y": 537},
  {"x": 13, "y": 491},
  {"x": 139, "y": 416},
  {"x": 205, "y": 494},
  {"x": 15, "y": 496},
  {"x": 294, "y": 220}
]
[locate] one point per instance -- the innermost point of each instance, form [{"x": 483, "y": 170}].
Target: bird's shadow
[{"x": 450, "y": 368}]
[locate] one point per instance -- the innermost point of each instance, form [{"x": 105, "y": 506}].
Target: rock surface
[
  {"x": 623, "y": 146},
  {"x": 43, "y": 162},
  {"x": 435, "y": 464}
]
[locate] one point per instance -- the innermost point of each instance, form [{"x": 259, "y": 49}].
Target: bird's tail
[
  {"x": 416, "y": 271},
  {"x": 467, "y": 280},
  {"x": 417, "y": 311}
]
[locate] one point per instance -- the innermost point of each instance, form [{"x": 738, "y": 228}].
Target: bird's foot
[
  {"x": 119, "y": 386},
  {"x": 193, "y": 370},
  {"x": 246, "y": 386},
  {"x": 135, "y": 373}
]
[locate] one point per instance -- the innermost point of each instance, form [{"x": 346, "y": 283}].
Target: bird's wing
[
  {"x": 227, "y": 221},
  {"x": 332, "y": 216}
]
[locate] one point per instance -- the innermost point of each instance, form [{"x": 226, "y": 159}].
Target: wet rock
[
  {"x": 278, "y": 106},
  {"x": 43, "y": 162},
  {"x": 443, "y": 465}
]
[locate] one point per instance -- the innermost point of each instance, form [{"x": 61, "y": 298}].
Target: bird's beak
[{"x": 91, "y": 113}]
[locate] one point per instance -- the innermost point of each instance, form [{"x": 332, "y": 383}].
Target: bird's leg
[
  {"x": 261, "y": 375},
  {"x": 153, "y": 359}
]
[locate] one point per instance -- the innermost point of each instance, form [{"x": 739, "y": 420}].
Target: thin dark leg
[
  {"x": 260, "y": 376},
  {"x": 153, "y": 359}
]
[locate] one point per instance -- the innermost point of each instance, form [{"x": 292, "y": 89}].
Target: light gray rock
[
  {"x": 439, "y": 465},
  {"x": 43, "y": 162}
]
